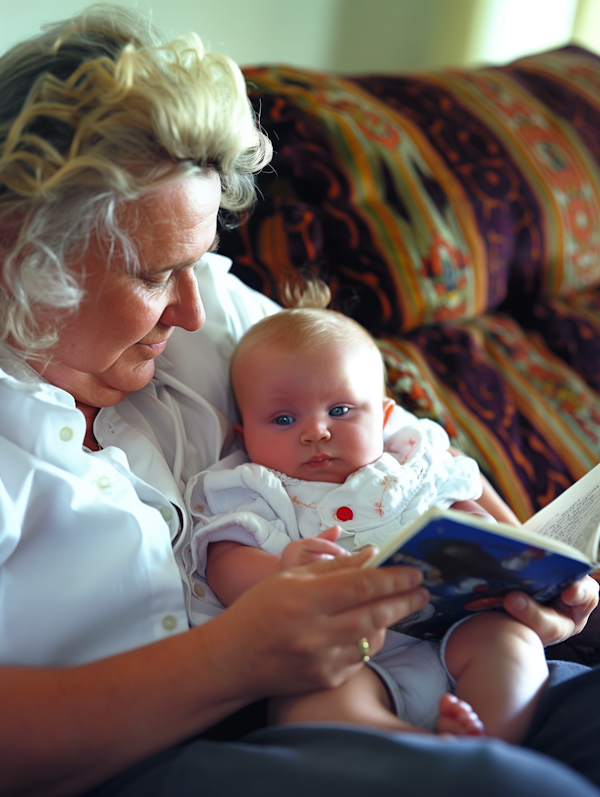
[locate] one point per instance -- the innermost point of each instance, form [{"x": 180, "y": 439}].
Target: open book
[{"x": 469, "y": 563}]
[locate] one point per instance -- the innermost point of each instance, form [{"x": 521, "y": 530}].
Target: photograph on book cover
[{"x": 467, "y": 569}]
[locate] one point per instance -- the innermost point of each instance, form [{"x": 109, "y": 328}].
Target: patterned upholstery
[{"x": 457, "y": 216}]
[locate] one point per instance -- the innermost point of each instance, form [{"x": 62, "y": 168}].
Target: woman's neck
[{"x": 89, "y": 413}]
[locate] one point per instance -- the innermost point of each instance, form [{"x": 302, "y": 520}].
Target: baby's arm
[
  {"x": 472, "y": 507},
  {"x": 495, "y": 505},
  {"x": 232, "y": 568}
]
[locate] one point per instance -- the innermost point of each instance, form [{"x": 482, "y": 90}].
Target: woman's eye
[
  {"x": 284, "y": 420},
  {"x": 159, "y": 281},
  {"x": 336, "y": 412}
]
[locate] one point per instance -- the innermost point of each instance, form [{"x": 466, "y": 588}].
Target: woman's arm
[{"x": 63, "y": 731}]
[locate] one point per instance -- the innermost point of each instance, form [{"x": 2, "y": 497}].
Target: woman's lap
[
  {"x": 321, "y": 760},
  {"x": 566, "y": 725}
]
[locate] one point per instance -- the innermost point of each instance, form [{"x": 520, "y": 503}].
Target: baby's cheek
[{"x": 368, "y": 447}]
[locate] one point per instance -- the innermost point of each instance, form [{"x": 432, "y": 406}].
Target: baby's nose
[{"x": 316, "y": 433}]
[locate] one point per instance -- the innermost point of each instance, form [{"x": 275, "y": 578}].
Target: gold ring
[{"x": 364, "y": 649}]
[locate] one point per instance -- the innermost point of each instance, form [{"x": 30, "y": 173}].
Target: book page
[{"x": 575, "y": 523}]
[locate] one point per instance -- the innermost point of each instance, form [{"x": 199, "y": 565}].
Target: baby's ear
[
  {"x": 239, "y": 433},
  {"x": 388, "y": 408}
]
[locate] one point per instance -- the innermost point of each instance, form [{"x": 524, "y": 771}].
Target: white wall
[
  {"x": 586, "y": 27},
  {"x": 249, "y": 31},
  {"x": 507, "y": 29},
  {"x": 350, "y": 35}
]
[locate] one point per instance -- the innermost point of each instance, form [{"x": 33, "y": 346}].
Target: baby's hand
[{"x": 303, "y": 552}]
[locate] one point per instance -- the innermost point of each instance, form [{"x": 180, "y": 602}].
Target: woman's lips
[{"x": 155, "y": 348}]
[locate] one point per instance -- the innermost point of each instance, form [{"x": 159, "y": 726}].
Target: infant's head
[{"x": 309, "y": 386}]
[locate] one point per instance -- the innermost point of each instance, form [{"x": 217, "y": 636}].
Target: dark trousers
[{"x": 561, "y": 756}]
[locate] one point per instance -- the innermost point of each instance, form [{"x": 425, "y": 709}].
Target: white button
[
  {"x": 199, "y": 590},
  {"x": 103, "y": 483},
  {"x": 166, "y": 512},
  {"x": 169, "y": 622},
  {"x": 66, "y": 433}
]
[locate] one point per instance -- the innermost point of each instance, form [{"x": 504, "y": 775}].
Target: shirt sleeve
[{"x": 245, "y": 504}]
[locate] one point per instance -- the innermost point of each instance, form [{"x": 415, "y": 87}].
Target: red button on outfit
[{"x": 344, "y": 513}]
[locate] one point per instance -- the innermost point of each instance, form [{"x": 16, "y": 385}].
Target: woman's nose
[{"x": 185, "y": 308}]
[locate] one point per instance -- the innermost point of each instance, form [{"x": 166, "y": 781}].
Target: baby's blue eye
[
  {"x": 284, "y": 420},
  {"x": 336, "y": 412}
]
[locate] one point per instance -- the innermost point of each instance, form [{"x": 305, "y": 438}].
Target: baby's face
[{"x": 316, "y": 416}]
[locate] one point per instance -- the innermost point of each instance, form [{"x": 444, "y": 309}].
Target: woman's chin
[
  {"x": 110, "y": 388},
  {"x": 130, "y": 380}
]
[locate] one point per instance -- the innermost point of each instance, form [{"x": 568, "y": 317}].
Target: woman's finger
[
  {"x": 366, "y": 619},
  {"x": 554, "y": 624},
  {"x": 580, "y": 600},
  {"x": 342, "y": 586}
]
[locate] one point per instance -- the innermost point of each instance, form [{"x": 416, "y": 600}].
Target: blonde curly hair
[{"x": 92, "y": 110}]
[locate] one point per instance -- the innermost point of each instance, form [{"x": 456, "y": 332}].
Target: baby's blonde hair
[{"x": 305, "y": 328}]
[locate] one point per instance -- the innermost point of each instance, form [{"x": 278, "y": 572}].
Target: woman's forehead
[{"x": 173, "y": 226}]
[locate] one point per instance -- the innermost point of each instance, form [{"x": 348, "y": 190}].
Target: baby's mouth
[{"x": 319, "y": 460}]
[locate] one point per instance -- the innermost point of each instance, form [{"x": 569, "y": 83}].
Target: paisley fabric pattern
[{"x": 456, "y": 215}]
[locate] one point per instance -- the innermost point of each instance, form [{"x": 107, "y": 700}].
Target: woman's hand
[
  {"x": 298, "y": 630},
  {"x": 305, "y": 551},
  {"x": 564, "y": 619}
]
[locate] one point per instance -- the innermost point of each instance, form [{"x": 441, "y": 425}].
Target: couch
[{"x": 456, "y": 215}]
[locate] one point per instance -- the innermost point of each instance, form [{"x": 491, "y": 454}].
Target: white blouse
[{"x": 87, "y": 564}]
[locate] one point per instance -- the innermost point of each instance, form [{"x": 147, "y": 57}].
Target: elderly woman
[{"x": 117, "y": 154}]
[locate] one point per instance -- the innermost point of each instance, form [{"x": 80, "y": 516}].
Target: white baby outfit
[{"x": 248, "y": 503}]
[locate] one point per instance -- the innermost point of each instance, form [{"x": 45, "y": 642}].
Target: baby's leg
[
  {"x": 364, "y": 700},
  {"x": 500, "y": 669}
]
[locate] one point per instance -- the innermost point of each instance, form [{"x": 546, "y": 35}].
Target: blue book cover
[{"x": 468, "y": 564}]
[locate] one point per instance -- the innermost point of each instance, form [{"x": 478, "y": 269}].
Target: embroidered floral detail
[
  {"x": 412, "y": 442},
  {"x": 200, "y": 508},
  {"x": 295, "y": 500},
  {"x": 387, "y": 482}
]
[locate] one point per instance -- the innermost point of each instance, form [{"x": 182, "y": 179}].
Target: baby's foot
[{"x": 458, "y": 718}]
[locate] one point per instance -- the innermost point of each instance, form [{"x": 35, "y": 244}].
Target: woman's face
[{"x": 107, "y": 349}]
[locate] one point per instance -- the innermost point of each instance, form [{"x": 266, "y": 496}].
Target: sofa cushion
[
  {"x": 429, "y": 197},
  {"x": 570, "y": 328},
  {"x": 505, "y": 398}
]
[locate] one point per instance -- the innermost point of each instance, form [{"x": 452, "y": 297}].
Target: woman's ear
[
  {"x": 239, "y": 433},
  {"x": 388, "y": 408}
]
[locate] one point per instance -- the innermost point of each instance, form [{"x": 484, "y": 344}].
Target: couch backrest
[{"x": 429, "y": 197}]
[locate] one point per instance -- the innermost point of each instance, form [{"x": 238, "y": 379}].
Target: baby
[{"x": 326, "y": 448}]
